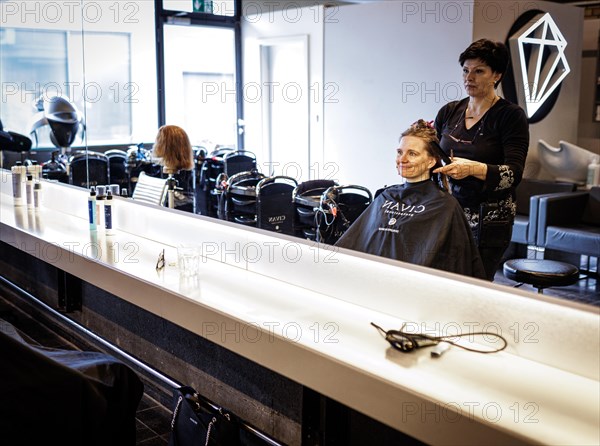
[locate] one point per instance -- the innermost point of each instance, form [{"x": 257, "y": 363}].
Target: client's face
[{"x": 412, "y": 160}]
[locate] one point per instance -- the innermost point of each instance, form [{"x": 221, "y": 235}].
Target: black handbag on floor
[{"x": 197, "y": 423}]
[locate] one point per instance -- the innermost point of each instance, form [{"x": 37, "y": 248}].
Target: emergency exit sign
[{"x": 203, "y": 6}]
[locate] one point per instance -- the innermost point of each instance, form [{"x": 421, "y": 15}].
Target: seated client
[{"x": 418, "y": 221}]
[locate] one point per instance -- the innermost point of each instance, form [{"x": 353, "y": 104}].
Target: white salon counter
[{"x": 305, "y": 313}]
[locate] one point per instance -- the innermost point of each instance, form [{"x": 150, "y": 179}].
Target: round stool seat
[{"x": 541, "y": 273}]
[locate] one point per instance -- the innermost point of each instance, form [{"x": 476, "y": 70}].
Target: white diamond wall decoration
[{"x": 540, "y": 64}]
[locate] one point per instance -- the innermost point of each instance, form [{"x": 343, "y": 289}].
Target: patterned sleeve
[{"x": 513, "y": 129}]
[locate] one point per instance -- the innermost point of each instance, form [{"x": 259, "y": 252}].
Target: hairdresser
[{"x": 487, "y": 138}]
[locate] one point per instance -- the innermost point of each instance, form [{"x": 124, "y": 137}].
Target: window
[
  {"x": 101, "y": 55},
  {"x": 200, "y": 94}
]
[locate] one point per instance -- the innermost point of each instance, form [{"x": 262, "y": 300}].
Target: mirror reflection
[{"x": 82, "y": 98}]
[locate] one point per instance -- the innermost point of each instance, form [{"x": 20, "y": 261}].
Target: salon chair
[
  {"x": 150, "y": 190},
  {"x": 528, "y": 193},
  {"x": 306, "y": 197},
  {"x": 239, "y": 197},
  {"x": 570, "y": 222},
  {"x": 66, "y": 397},
  {"x": 88, "y": 169},
  {"x": 117, "y": 168},
  {"x": 274, "y": 206},
  {"x": 339, "y": 207},
  {"x": 208, "y": 191},
  {"x": 238, "y": 161}
]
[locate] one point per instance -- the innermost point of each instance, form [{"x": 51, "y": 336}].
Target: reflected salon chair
[
  {"x": 274, "y": 205},
  {"x": 339, "y": 207},
  {"x": 570, "y": 222},
  {"x": 238, "y": 161},
  {"x": 528, "y": 194},
  {"x": 150, "y": 190},
  {"x": 87, "y": 165},
  {"x": 306, "y": 198},
  {"x": 117, "y": 163}
]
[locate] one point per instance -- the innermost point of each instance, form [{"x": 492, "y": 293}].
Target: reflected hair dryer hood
[
  {"x": 13, "y": 142},
  {"x": 63, "y": 118}
]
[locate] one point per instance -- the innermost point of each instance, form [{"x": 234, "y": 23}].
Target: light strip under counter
[{"x": 304, "y": 310}]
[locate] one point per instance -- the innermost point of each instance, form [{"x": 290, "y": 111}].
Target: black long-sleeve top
[{"x": 500, "y": 139}]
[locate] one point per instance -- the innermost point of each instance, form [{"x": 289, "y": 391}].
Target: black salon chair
[
  {"x": 339, "y": 207},
  {"x": 570, "y": 222},
  {"x": 307, "y": 200},
  {"x": 274, "y": 205},
  {"x": 240, "y": 197},
  {"x": 66, "y": 397},
  {"x": 238, "y": 161},
  {"x": 208, "y": 191},
  {"x": 528, "y": 194},
  {"x": 117, "y": 167},
  {"x": 87, "y": 165}
]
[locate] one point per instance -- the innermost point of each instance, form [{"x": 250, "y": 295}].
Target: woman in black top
[{"x": 487, "y": 138}]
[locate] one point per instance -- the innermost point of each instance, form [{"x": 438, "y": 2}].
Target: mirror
[{"x": 104, "y": 58}]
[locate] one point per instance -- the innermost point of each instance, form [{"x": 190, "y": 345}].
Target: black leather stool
[{"x": 541, "y": 273}]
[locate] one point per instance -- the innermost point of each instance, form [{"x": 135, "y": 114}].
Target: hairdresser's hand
[{"x": 461, "y": 168}]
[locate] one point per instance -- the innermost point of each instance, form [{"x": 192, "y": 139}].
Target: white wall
[
  {"x": 386, "y": 64},
  {"x": 392, "y": 63},
  {"x": 263, "y": 21}
]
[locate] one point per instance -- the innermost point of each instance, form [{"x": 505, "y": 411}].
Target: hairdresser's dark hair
[
  {"x": 426, "y": 131},
  {"x": 494, "y": 54}
]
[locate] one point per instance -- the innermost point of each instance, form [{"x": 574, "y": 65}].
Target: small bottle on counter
[
  {"x": 37, "y": 195},
  {"x": 108, "y": 213},
  {"x": 29, "y": 191},
  {"x": 18, "y": 172},
  {"x": 100, "y": 197},
  {"x": 92, "y": 209}
]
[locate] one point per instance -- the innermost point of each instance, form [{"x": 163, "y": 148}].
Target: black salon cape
[{"x": 417, "y": 223}]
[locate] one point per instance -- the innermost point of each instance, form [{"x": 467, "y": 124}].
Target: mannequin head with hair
[{"x": 173, "y": 146}]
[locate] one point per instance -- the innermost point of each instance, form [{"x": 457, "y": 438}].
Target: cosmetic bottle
[
  {"x": 93, "y": 212},
  {"x": 593, "y": 174},
  {"x": 35, "y": 170},
  {"x": 108, "y": 213},
  {"x": 18, "y": 179},
  {"x": 37, "y": 195},
  {"x": 29, "y": 191},
  {"x": 100, "y": 196}
]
